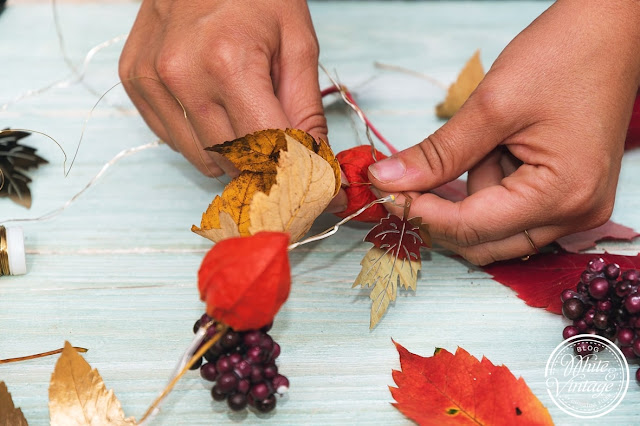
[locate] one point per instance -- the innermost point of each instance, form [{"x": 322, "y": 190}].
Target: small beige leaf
[
  {"x": 304, "y": 186},
  {"x": 458, "y": 93},
  {"x": 9, "y": 414},
  {"x": 384, "y": 272},
  {"x": 78, "y": 396}
]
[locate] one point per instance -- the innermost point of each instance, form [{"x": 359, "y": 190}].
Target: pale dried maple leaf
[
  {"x": 9, "y": 414},
  {"x": 467, "y": 81},
  {"x": 289, "y": 162},
  {"x": 385, "y": 273},
  {"x": 304, "y": 186},
  {"x": 78, "y": 396}
]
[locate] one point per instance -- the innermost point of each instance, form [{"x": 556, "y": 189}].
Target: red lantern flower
[
  {"x": 354, "y": 163},
  {"x": 244, "y": 281}
]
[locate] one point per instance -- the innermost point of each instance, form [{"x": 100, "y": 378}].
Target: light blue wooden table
[{"x": 115, "y": 273}]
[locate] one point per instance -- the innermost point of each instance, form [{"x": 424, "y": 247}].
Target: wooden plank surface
[{"x": 115, "y": 272}]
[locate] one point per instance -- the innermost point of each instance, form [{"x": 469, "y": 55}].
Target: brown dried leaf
[
  {"x": 9, "y": 414},
  {"x": 78, "y": 396},
  {"x": 259, "y": 156},
  {"x": 384, "y": 272},
  {"x": 15, "y": 159},
  {"x": 468, "y": 79}
]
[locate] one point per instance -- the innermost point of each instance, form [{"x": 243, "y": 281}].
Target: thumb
[{"x": 472, "y": 133}]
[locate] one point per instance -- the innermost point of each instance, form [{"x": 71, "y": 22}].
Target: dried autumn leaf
[
  {"x": 467, "y": 81},
  {"x": 456, "y": 388},
  {"x": 245, "y": 280},
  {"x": 355, "y": 162},
  {"x": 9, "y": 414},
  {"x": 16, "y": 158},
  {"x": 286, "y": 181},
  {"x": 78, "y": 396},
  {"x": 384, "y": 273},
  {"x": 394, "y": 260},
  {"x": 540, "y": 280},
  {"x": 610, "y": 230}
]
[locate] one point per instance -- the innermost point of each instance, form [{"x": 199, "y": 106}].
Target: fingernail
[{"x": 388, "y": 170}]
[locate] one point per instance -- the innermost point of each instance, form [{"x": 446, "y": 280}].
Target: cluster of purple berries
[
  {"x": 606, "y": 302},
  {"x": 243, "y": 367}
]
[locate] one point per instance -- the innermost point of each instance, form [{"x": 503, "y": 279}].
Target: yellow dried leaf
[
  {"x": 259, "y": 157},
  {"x": 384, "y": 272},
  {"x": 468, "y": 79},
  {"x": 9, "y": 414},
  {"x": 78, "y": 396}
]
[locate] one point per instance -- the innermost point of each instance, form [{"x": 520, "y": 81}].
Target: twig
[{"x": 40, "y": 355}]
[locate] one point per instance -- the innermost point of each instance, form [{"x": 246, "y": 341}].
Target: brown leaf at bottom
[
  {"x": 78, "y": 396},
  {"x": 9, "y": 414}
]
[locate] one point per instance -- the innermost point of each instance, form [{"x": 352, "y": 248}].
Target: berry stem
[
  {"x": 221, "y": 330},
  {"x": 40, "y": 355}
]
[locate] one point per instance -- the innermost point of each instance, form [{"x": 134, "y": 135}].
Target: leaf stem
[
  {"x": 40, "y": 355},
  {"x": 222, "y": 328}
]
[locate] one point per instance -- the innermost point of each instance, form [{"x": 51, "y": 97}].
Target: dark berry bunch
[
  {"x": 243, "y": 367},
  {"x": 606, "y": 302}
]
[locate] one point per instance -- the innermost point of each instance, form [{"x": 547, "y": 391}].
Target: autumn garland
[{"x": 257, "y": 301}]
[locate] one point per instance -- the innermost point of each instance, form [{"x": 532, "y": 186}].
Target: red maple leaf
[
  {"x": 587, "y": 239},
  {"x": 458, "y": 389},
  {"x": 633, "y": 133},
  {"x": 400, "y": 238},
  {"x": 355, "y": 163},
  {"x": 540, "y": 280},
  {"x": 245, "y": 280}
]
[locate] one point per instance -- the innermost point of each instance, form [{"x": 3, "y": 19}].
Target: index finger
[{"x": 491, "y": 214}]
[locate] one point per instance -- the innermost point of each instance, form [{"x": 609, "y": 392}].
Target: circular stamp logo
[{"x": 587, "y": 376}]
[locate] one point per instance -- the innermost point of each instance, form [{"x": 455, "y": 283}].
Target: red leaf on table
[
  {"x": 633, "y": 133},
  {"x": 354, "y": 163},
  {"x": 458, "y": 389},
  {"x": 401, "y": 239},
  {"x": 245, "y": 280},
  {"x": 540, "y": 280},
  {"x": 587, "y": 239}
]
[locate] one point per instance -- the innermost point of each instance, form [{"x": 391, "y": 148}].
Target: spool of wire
[{"x": 12, "y": 257}]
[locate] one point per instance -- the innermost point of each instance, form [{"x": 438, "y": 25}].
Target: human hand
[
  {"x": 236, "y": 66},
  {"x": 542, "y": 137}
]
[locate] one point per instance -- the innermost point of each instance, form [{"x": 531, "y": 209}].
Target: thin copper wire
[
  {"x": 4, "y": 255},
  {"x": 329, "y": 232},
  {"x": 408, "y": 71},
  {"x": 353, "y": 106}
]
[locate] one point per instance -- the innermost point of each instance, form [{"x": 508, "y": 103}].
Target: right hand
[{"x": 237, "y": 66}]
